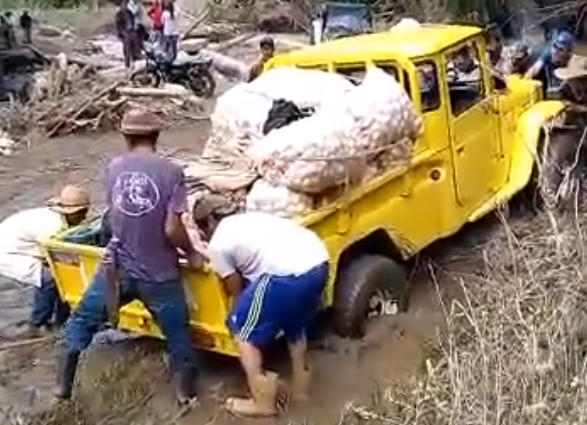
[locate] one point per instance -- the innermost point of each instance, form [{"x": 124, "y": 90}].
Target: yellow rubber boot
[
  {"x": 263, "y": 398},
  {"x": 300, "y": 385}
]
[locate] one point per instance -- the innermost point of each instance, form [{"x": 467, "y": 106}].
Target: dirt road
[{"x": 133, "y": 373}]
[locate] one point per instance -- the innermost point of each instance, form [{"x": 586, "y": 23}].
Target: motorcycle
[{"x": 194, "y": 74}]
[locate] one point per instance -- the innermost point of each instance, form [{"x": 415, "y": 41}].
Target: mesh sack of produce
[
  {"x": 398, "y": 154},
  {"x": 241, "y": 112},
  {"x": 274, "y": 199},
  {"x": 328, "y": 148},
  {"x": 237, "y": 120},
  {"x": 307, "y": 88}
]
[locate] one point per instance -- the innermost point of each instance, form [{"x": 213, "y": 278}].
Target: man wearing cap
[
  {"x": 277, "y": 270},
  {"x": 146, "y": 198},
  {"x": 22, "y": 259},
  {"x": 557, "y": 55}
]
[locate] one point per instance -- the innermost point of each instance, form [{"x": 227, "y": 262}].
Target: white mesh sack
[
  {"x": 307, "y": 88},
  {"x": 327, "y": 148},
  {"x": 278, "y": 200},
  {"x": 237, "y": 120}
]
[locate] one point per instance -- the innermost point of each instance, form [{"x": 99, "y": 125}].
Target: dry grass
[{"x": 514, "y": 347}]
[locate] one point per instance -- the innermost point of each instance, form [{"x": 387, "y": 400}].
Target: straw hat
[
  {"x": 139, "y": 121},
  {"x": 71, "y": 200},
  {"x": 576, "y": 68}
]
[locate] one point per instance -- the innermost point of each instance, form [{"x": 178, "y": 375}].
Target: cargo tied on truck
[{"x": 380, "y": 143}]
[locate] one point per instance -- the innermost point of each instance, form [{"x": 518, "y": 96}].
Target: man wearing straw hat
[
  {"x": 22, "y": 259},
  {"x": 574, "y": 80},
  {"x": 146, "y": 198}
]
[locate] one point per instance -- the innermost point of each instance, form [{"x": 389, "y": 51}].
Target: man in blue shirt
[{"x": 556, "y": 55}]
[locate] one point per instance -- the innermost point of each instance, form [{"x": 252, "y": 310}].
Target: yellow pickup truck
[{"x": 477, "y": 151}]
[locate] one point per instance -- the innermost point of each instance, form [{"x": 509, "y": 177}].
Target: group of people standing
[
  {"x": 8, "y": 32},
  {"x": 158, "y": 26}
]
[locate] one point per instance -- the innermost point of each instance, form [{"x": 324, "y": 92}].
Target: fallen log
[{"x": 153, "y": 91}]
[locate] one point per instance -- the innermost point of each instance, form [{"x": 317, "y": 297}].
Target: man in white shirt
[
  {"x": 22, "y": 259},
  {"x": 277, "y": 270}
]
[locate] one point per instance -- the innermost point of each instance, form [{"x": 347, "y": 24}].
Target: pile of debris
[{"x": 73, "y": 97}]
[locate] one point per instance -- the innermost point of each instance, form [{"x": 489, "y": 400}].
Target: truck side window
[
  {"x": 429, "y": 89},
  {"x": 464, "y": 78},
  {"x": 354, "y": 74}
]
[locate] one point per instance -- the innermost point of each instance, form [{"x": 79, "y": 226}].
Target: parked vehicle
[
  {"x": 478, "y": 151},
  {"x": 193, "y": 73},
  {"x": 339, "y": 20}
]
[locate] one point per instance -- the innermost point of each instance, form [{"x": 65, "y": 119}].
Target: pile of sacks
[
  {"x": 241, "y": 112},
  {"x": 355, "y": 133}
]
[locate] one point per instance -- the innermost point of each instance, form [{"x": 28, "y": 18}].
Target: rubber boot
[
  {"x": 185, "y": 387},
  {"x": 263, "y": 398},
  {"x": 66, "y": 369},
  {"x": 300, "y": 385}
]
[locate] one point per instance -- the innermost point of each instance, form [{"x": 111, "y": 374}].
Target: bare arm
[
  {"x": 534, "y": 69},
  {"x": 175, "y": 229},
  {"x": 233, "y": 283}
]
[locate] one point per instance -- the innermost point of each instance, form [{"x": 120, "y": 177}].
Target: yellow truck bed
[{"x": 73, "y": 266}]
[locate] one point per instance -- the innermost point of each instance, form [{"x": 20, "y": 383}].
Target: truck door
[{"x": 473, "y": 124}]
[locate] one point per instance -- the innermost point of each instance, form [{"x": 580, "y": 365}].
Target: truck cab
[{"x": 476, "y": 137}]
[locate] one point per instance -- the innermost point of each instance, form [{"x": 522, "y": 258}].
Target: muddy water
[{"x": 114, "y": 377}]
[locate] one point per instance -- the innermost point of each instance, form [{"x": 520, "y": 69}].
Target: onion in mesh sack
[
  {"x": 322, "y": 151},
  {"x": 279, "y": 200}
]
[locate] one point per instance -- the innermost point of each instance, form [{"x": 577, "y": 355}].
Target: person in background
[
  {"x": 9, "y": 16},
  {"x": 277, "y": 287},
  {"x": 556, "y": 55},
  {"x": 127, "y": 27},
  {"x": 267, "y": 47},
  {"x": 146, "y": 198},
  {"x": 22, "y": 259},
  {"x": 574, "y": 81},
  {"x": 156, "y": 15},
  {"x": 521, "y": 59},
  {"x": 5, "y": 33},
  {"x": 170, "y": 31},
  {"x": 463, "y": 67},
  {"x": 26, "y": 25}
]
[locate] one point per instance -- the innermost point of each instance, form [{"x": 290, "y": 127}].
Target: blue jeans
[
  {"x": 166, "y": 301},
  {"x": 170, "y": 42},
  {"x": 47, "y": 304}
]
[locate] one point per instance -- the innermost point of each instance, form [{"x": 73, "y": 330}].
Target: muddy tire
[
  {"x": 202, "y": 85},
  {"x": 370, "y": 285},
  {"x": 144, "y": 78}
]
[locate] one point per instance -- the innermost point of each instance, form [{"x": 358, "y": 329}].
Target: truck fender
[{"x": 526, "y": 141}]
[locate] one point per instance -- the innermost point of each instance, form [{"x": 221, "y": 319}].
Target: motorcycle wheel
[
  {"x": 202, "y": 85},
  {"x": 145, "y": 78}
]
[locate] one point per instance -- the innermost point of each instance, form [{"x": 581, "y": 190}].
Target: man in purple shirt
[{"x": 146, "y": 198}]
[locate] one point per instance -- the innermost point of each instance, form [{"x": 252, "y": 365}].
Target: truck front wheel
[{"x": 371, "y": 285}]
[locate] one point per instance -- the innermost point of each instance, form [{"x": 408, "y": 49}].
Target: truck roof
[{"x": 407, "y": 42}]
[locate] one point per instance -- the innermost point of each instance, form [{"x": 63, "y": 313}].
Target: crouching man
[
  {"x": 277, "y": 271},
  {"x": 146, "y": 197},
  {"x": 22, "y": 259}
]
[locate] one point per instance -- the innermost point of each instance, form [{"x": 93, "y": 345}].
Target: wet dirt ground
[{"x": 133, "y": 373}]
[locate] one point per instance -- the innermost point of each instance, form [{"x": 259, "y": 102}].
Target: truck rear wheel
[{"x": 371, "y": 285}]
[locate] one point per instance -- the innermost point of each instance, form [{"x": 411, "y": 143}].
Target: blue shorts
[{"x": 278, "y": 303}]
